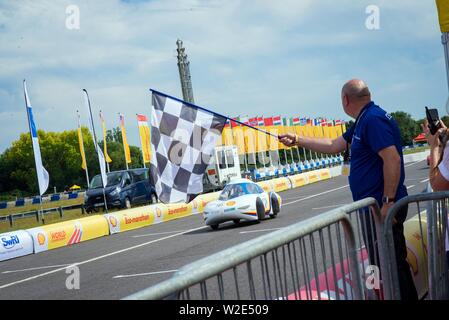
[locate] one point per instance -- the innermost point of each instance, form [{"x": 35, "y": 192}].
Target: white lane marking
[
  {"x": 37, "y": 268},
  {"x": 425, "y": 180},
  {"x": 413, "y": 179},
  {"x": 100, "y": 257},
  {"x": 409, "y": 187},
  {"x": 157, "y": 234},
  {"x": 142, "y": 274},
  {"x": 260, "y": 230},
  {"x": 327, "y": 207},
  {"x": 413, "y": 163},
  {"x": 315, "y": 195}
]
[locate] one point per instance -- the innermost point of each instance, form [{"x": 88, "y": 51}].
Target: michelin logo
[{"x": 10, "y": 242}]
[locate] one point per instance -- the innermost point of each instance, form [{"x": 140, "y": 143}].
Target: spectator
[
  {"x": 439, "y": 159},
  {"x": 438, "y": 164},
  {"x": 377, "y": 167}
]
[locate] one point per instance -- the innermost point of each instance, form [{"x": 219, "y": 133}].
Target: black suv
[{"x": 124, "y": 188}]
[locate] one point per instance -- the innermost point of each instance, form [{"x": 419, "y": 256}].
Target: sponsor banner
[
  {"x": 160, "y": 210},
  {"x": 281, "y": 184},
  {"x": 196, "y": 206},
  {"x": 324, "y": 174},
  {"x": 177, "y": 210},
  {"x": 266, "y": 185},
  {"x": 204, "y": 199},
  {"x": 417, "y": 252},
  {"x": 130, "y": 219},
  {"x": 15, "y": 244},
  {"x": 312, "y": 177},
  {"x": 335, "y": 171},
  {"x": 298, "y": 180},
  {"x": 68, "y": 233}
]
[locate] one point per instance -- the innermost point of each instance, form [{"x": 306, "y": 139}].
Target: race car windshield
[
  {"x": 236, "y": 190},
  {"x": 113, "y": 179}
]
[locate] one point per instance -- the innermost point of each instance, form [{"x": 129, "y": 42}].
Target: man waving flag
[
  {"x": 183, "y": 137},
  {"x": 42, "y": 175}
]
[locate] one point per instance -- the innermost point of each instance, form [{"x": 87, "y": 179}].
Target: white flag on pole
[
  {"x": 101, "y": 158},
  {"x": 42, "y": 174}
]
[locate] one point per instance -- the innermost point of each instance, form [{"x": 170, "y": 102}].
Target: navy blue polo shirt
[{"x": 375, "y": 130}]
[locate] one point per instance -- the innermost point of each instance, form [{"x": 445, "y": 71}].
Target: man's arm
[
  {"x": 392, "y": 174},
  {"x": 391, "y": 170},
  {"x": 322, "y": 145}
]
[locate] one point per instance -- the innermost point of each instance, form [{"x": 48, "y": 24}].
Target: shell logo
[
  {"x": 230, "y": 203},
  {"x": 158, "y": 212},
  {"x": 40, "y": 239},
  {"x": 113, "y": 221}
]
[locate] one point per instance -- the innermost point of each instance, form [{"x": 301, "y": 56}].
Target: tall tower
[{"x": 184, "y": 73}]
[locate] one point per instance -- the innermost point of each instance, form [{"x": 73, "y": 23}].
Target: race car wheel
[
  {"x": 236, "y": 221},
  {"x": 214, "y": 226},
  {"x": 260, "y": 208},
  {"x": 275, "y": 206}
]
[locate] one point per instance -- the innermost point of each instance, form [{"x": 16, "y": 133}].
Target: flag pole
[
  {"x": 41, "y": 209},
  {"x": 96, "y": 147},
  {"x": 36, "y": 147},
  {"x": 213, "y": 112},
  {"x": 84, "y": 153},
  {"x": 291, "y": 154}
]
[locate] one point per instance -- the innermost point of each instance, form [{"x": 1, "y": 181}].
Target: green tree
[
  {"x": 408, "y": 127},
  {"x": 61, "y": 157}
]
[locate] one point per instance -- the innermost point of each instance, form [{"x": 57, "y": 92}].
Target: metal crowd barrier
[
  {"x": 326, "y": 257},
  {"x": 432, "y": 216},
  {"x": 319, "y": 258}
]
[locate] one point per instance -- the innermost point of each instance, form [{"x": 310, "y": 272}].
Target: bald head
[
  {"x": 356, "y": 88},
  {"x": 355, "y": 95}
]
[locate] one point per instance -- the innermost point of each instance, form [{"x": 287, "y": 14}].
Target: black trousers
[{"x": 406, "y": 283}]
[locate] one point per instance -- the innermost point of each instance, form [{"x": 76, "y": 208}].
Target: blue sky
[{"x": 247, "y": 57}]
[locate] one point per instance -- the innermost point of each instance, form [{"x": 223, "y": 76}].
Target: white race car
[{"x": 241, "y": 199}]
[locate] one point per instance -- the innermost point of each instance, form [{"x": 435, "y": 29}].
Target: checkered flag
[{"x": 183, "y": 137}]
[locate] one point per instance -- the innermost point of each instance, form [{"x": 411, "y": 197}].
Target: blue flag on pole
[{"x": 42, "y": 174}]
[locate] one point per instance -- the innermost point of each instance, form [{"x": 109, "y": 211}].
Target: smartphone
[{"x": 433, "y": 119}]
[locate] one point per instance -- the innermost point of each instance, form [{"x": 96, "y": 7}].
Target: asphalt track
[{"x": 115, "y": 266}]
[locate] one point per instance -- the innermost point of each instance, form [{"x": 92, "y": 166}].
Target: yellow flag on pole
[
  {"x": 144, "y": 133},
  {"x": 250, "y": 140},
  {"x": 261, "y": 140},
  {"x": 239, "y": 140},
  {"x": 227, "y": 136},
  {"x": 443, "y": 14},
  {"x": 81, "y": 143},
  {"x": 105, "y": 148},
  {"x": 125, "y": 140}
]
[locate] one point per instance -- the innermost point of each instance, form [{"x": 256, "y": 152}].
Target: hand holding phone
[{"x": 433, "y": 119}]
